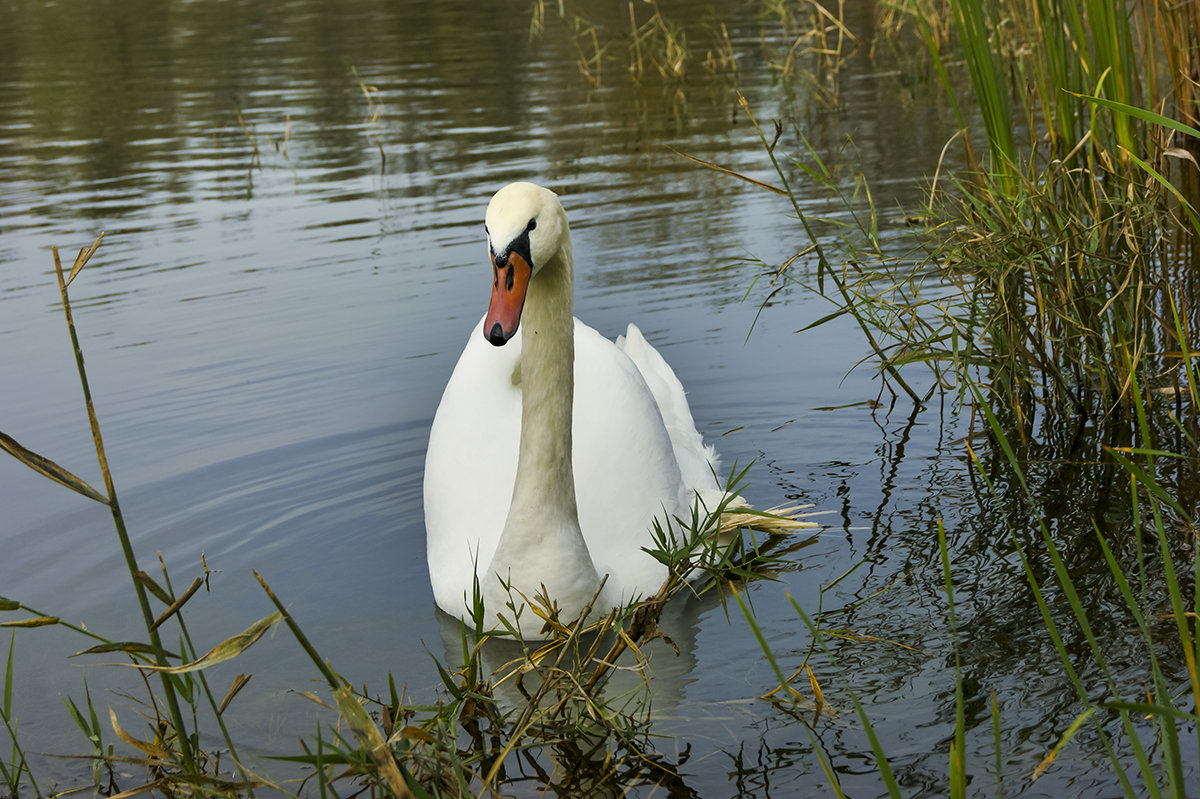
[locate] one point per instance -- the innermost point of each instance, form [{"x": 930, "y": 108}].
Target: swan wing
[
  {"x": 625, "y": 456},
  {"x": 470, "y": 466},
  {"x": 626, "y": 473},
  {"x": 698, "y": 463}
]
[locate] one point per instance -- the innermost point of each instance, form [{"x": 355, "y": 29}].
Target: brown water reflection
[{"x": 287, "y": 280}]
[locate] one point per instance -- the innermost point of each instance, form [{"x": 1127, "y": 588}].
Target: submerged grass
[{"x": 1158, "y": 698}]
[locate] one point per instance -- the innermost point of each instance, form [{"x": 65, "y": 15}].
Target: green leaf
[
  {"x": 154, "y": 588},
  {"x": 1147, "y": 709},
  {"x": 37, "y": 621},
  {"x": 826, "y": 318},
  {"x": 1166, "y": 184},
  {"x": 132, "y": 647},
  {"x": 370, "y": 739},
  {"x": 1062, "y": 742},
  {"x": 49, "y": 468},
  {"x": 6, "y": 705},
  {"x": 1141, "y": 113}
]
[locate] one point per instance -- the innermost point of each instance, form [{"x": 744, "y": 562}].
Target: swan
[{"x": 553, "y": 449}]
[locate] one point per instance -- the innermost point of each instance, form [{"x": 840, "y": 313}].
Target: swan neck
[
  {"x": 544, "y": 473},
  {"x": 542, "y": 544}
]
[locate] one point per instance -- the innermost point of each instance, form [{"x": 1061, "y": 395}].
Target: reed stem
[{"x": 185, "y": 747}]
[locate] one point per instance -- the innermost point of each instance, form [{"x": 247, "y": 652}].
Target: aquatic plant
[
  {"x": 641, "y": 42},
  {"x": 1056, "y": 274},
  {"x": 1077, "y": 244},
  {"x": 1139, "y": 710},
  {"x": 14, "y": 768},
  {"x": 172, "y": 752},
  {"x": 1033, "y": 270}
]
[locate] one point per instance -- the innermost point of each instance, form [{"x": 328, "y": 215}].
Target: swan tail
[{"x": 698, "y": 462}]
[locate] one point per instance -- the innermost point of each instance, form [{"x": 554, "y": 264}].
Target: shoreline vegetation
[{"x": 1048, "y": 284}]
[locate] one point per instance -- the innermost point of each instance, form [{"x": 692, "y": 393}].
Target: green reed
[
  {"x": 639, "y": 41},
  {"x": 1031, "y": 270},
  {"x": 109, "y": 497},
  {"x": 1058, "y": 274},
  {"x": 13, "y": 769},
  {"x": 1155, "y": 695},
  {"x": 1071, "y": 242}
]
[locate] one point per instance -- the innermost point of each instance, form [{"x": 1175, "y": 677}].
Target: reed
[
  {"x": 1053, "y": 277},
  {"x": 639, "y": 40},
  {"x": 1072, "y": 244},
  {"x": 373, "y": 97},
  {"x": 1031, "y": 270},
  {"x": 14, "y": 768},
  {"x": 1156, "y": 695},
  {"x": 171, "y": 750}
]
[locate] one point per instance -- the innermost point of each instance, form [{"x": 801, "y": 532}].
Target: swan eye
[{"x": 532, "y": 224}]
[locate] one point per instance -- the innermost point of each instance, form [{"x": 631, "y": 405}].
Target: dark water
[{"x": 292, "y": 197}]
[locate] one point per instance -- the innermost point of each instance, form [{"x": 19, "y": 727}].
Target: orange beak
[{"x": 511, "y": 281}]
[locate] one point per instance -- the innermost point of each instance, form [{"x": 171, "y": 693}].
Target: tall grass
[
  {"x": 1054, "y": 276},
  {"x": 1072, "y": 244},
  {"x": 1034, "y": 269},
  {"x": 1157, "y": 695},
  {"x": 171, "y": 751},
  {"x": 14, "y": 768}
]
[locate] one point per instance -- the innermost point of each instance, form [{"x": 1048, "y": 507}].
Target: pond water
[{"x": 292, "y": 199}]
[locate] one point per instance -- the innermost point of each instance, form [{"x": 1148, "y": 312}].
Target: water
[{"x": 293, "y": 258}]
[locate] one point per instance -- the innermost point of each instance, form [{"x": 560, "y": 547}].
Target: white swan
[{"x": 550, "y": 457}]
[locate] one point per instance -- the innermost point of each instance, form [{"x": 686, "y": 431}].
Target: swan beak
[{"x": 512, "y": 272}]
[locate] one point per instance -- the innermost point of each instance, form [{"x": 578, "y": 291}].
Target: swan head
[{"x": 526, "y": 226}]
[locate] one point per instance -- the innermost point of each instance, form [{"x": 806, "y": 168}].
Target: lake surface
[{"x": 292, "y": 198}]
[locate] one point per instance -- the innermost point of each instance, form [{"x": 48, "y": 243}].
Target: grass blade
[
  {"x": 368, "y": 737},
  {"x": 49, "y": 468},
  {"x": 881, "y": 761},
  {"x": 84, "y": 256},
  {"x": 226, "y": 650}
]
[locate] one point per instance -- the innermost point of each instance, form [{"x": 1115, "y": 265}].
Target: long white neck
[
  {"x": 544, "y": 473},
  {"x": 542, "y": 543}
]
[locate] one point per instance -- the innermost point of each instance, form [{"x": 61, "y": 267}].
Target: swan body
[{"x": 550, "y": 456}]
